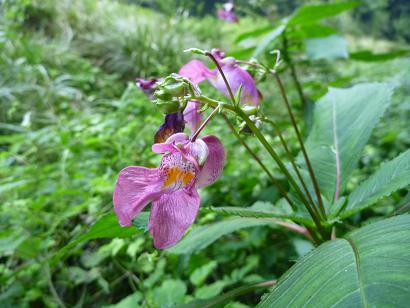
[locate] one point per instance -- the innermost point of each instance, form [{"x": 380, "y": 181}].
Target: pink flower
[
  {"x": 196, "y": 71},
  {"x": 227, "y": 12},
  {"x": 172, "y": 188}
]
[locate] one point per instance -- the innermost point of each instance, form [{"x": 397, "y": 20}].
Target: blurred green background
[{"x": 71, "y": 118}]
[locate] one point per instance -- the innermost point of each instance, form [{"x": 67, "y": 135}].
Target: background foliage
[{"x": 71, "y": 118}]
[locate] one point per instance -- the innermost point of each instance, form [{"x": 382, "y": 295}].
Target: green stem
[
  {"x": 220, "y": 300},
  {"x": 312, "y": 211},
  {"x": 293, "y": 74},
  {"x": 292, "y": 161},
  {"x": 213, "y": 113},
  {"x": 261, "y": 164},
  {"x": 302, "y": 146}
]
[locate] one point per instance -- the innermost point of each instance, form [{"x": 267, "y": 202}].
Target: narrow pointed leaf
[{"x": 391, "y": 176}]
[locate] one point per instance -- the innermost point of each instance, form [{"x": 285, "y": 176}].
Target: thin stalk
[
  {"x": 292, "y": 161},
  {"x": 213, "y": 113},
  {"x": 302, "y": 146},
  {"x": 223, "y": 77},
  {"x": 261, "y": 164},
  {"x": 52, "y": 288},
  {"x": 293, "y": 72},
  {"x": 312, "y": 211},
  {"x": 219, "y": 301}
]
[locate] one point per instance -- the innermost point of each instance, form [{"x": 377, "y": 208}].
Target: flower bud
[
  {"x": 168, "y": 106},
  {"x": 172, "y": 86},
  {"x": 250, "y": 110}
]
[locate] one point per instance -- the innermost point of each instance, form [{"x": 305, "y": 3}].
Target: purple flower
[
  {"x": 197, "y": 72},
  {"x": 227, "y": 12},
  {"x": 173, "y": 123},
  {"x": 172, "y": 188},
  {"x": 146, "y": 85}
]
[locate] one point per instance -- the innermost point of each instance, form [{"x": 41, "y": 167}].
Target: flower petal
[
  {"x": 135, "y": 188},
  {"x": 169, "y": 144},
  {"x": 236, "y": 77},
  {"x": 171, "y": 215},
  {"x": 195, "y": 71},
  {"x": 192, "y": 116},
  {"x": 214, "y": 164}
]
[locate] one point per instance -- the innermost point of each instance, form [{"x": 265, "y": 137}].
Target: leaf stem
[
  {"x": 312, "y": 211},
  {"x": 261, "y": 164},
  {"x": 271, "y": 151},
  {"x": 213, "y": 113},
  {"x": 292, "y": 161},
  {"x": 288, "y": 59},
  {"x": 302, "y": 146}
]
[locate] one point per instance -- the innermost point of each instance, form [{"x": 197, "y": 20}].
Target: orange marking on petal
[
  {"x": 188, "y": 176},
  {"x": 172, "y": 176}
]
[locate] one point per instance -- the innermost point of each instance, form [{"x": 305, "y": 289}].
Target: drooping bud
[{"x": 173, "y": 123}]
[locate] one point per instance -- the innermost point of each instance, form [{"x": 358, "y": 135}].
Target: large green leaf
[
  {"x": 315, "y": 12},
  {"x": 268, "y": 39},
  {"x": 343, "y": 122},
  {"x": 330, "y": 48},
  {"x": 202, "y": 236},
  {"x": 370, "y": 267},
  {"x": 391, "y": 176}
]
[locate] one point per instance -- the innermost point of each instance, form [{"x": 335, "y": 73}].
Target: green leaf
[
  {"x": 268, "y": 211},
  {"x": 268, "y": 39},
  {"x": 316, "y": 30},
  {"x": 202, "y": 236},
  {"x": 201, "y": 273},
  {"x": 253, "y": 33},
  {"x": 312, "y": 13},
  {"x": 106, "y": 227},
  {"x": 343, "y": 122},
  {"x": 222, "y": 299},
  {"x": 171, "y": 292},
  {"x": 369, "y": 56},
  {"x": 127, "y": 302},
  {"x": 329, "y": 48},
  {"x": 370, "y": 267},
  {"x": 391, "y": 176}
]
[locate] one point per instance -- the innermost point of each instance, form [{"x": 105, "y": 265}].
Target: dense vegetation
[{"x": 71, "y": 118}]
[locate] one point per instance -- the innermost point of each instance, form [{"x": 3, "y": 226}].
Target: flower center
[{"x": 176, "y": 171}]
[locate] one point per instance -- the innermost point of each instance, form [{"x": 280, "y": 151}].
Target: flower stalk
[
  {"x": 312, "y": 210},
  {"x": 302, "y": 146}
]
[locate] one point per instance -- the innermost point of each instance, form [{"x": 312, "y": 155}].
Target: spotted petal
[
  {"x": 135, "y": 188},
  {"x": 214, "y": 164},
  {"x": 171, "y": 215}
]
